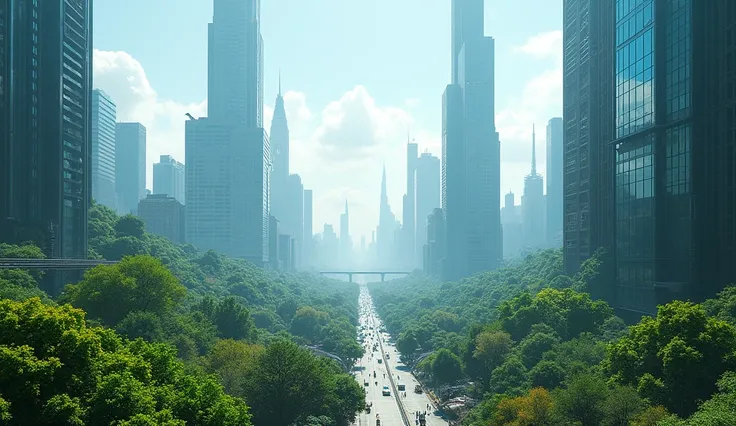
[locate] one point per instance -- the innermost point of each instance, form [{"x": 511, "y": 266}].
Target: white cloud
[
  {"x": 339, "y": 152},
  {"x": 122, "y": 77},
  {"x": 539, "y": 100}
]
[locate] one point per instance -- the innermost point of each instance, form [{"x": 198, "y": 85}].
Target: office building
[
  {"x": 227, "y": 189},
  {"x": 513, "y": 233},
  {"x": 434, "y": 248},
  {"x": 163, "y": 215},
  {"x": 168, "y": 178},
  {"x": 555, "y": 176},
  {"x": 346, "y": 242},
  {"x": 45, "y": 126},
  {"x": 103, "y": 150},
  {"x": 279, "y": 134},
  {"x": 532, "y": 205},
  {"x": 410, "y": 259},
  {"x": 228, "y": 153},
  {"x": 293, "y": 222},
  {"x": 308, "y": 244},
  {"x": 130, "y": 165},
  {"x": 670, "y": 197},
  {"x": 273, "y": 243},
  {"x": 471, "y": 149},
  {"x": 386, "y": 242},
  {"x": 427, "y": 196}
]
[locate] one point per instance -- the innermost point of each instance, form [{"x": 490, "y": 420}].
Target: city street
[{"x": 387, "y": 407}]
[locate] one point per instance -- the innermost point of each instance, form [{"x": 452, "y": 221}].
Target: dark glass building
[
  {"x": 674, "y": 131},
  {"x": 45, "y": 122}
]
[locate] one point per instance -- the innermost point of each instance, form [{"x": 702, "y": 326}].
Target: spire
[
  {"x": 346, "y": 206},
  {"x": 279, "y": 81},
  {"x": 534, "y": 152},
  {"x": 384, "y": 195}
]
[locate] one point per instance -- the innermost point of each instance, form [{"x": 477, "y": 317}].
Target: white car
[{"x": 386, "y": 391}]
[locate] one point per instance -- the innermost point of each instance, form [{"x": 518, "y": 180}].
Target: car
[
  {"x": 386, "y": 391},
  {"x": 402, "y": 387}
]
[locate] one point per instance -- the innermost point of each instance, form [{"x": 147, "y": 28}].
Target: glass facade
[
  {"x": 635, "y": 223},
  {"x": 634, "y": 66},
  {"x": 677, "y": 59}
]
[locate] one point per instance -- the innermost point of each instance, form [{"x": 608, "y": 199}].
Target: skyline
[{"x": 318, "y": 128}]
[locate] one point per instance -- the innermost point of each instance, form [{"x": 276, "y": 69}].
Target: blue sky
[{"x": 358, "y": 76}]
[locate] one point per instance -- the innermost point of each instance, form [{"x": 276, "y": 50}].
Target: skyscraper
[
  {"x": 45, "y": 182},
  {"x": 168, "y": 178},
  {"x": 346, "y": 243},
  {"x": 308, "y": 244},
  {"x": 294, "y": 220},
  {"x": 666, "y": 149},
  {"x": 280, "y": 159},
  {"x": 471, "y": 149},
  {"x": 532, "y": 205},
  {"x": 427, "y": 197},
  {"x": 228, "y": 154},
  {"x": 130, "y": 165},
  {"x": 103, "y": 150},
  {"x": 385, "y": 237},
  {"x": 409, "y": 207},
  {"x": 554, "y": 182}
]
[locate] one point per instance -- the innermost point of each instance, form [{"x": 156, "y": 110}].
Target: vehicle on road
[
  {"x": 366, "y": 383},
  {"x": 386, "y": 391},
  {"x": 418, "y": 389},
  {"x": 380, "y": 361},
  {"x": 402, "y": 387},
  {"x": 422, "y": 419}
]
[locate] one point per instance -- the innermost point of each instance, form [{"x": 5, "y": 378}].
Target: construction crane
[{"x": 190, "y": 116}]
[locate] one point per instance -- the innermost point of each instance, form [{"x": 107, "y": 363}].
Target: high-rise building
[
  {"x": 513, "y": 233},
  {"x": 410, "y": 259},
  {"x": 280, "y": 160},
  {"x": 103, "y": 150},
  {"x": 434, "y": 248},
  {"x": 273, "y": 243},
  {"x": 346, "y": 242},
  {"x": 471, "y": 149},
  {"x": 293, "y": 221},
  {"x": 587, "y": 129},
  {"x": 532, "y": 205},
  {"x": 555, "y": 175},
  {"x": 163, "y": 215},
  {"x": 130, "y": 165},
  {"x": 427, "y": 196},
  {"x": 228, "y": 154},
  {"x": 328, "y": 247},
  {"x": 45, "y": 126},
  {"x": 308, "y": 244},
  {"x": 168, "y": 178},
  {"x": 235, "y": 63},
  {"x": 385, "y": 238},
  {"x": 669, "y": 197}
]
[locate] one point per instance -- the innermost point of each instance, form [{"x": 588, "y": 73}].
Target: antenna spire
[
  {"x": 534, "y": 151},
  {"x": 279, "y": 81}
]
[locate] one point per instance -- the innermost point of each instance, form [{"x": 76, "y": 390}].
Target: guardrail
[
  {"x": 68, "y": 264},
  {"x": 402, "y": 410}
]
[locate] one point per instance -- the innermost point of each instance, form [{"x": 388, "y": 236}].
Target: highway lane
[{"x": 388, "y": 407}]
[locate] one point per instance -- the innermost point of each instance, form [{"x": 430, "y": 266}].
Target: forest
[
  {"x": 534, "y": 348},
  {"x": 172, "y": 336}
]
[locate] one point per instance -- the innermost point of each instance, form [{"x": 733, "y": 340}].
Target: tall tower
[
  {"x": 386, "y": 227},
  {"x": 346, "y": 244},
  {"x": 103, "y": 149},
  {"x": 409, "y": 210},
  {"x": 532, "y": 204},
  {"x": 235, "y": 63},
  {"x": 280, "y": 159},
  {"x": 228, "y": 154},
  {"x": 554, "y": 167},
  {"x": 471, "y": 149}
]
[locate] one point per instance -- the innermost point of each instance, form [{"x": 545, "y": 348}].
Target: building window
[
  {"x": 677, "y": 59},
  {"x": 677, "y": 168}
]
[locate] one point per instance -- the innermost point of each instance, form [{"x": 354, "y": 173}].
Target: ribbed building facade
[
  {"x": 45, "y": 124},
  {"x": 103, "y": 149},
  {"x": 168, "y": 178},
  {"x": 130, "y": 165}
]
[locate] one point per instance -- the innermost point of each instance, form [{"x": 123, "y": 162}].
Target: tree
[
  {"x": 308, "y": 323},
  {"x": 407, "y": 343},
  {"x": 130, "y": 226},
  {"x": 139, "y": 283},
  {"x": 446, "y": 367},
  {"x": 532, "y": 409},
  {"x": 288, "y": 383},
  {"x": 492, "y": 347},
  {"x": 676, "y": 358},
  {"x": 234, "y": 362},
  {"x": 583, "y": 401}
]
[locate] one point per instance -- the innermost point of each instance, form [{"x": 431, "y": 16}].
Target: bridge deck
[{"x": 13, "y": 263}]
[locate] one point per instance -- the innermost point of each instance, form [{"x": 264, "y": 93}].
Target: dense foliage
[
  {"x": 238, "y": 332},
  {"x": 540, "y": 351}
]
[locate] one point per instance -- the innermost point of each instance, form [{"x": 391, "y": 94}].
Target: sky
[{"x": 359, "y": 79}]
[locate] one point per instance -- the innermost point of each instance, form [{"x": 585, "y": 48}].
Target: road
[{"x": 388, "y": 373}]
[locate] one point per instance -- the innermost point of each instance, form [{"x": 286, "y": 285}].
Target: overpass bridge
[
  {"x": 351, "y": 273},
  {"x": 52, "y": 264}
]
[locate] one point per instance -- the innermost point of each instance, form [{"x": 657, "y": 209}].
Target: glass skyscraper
[
  {"x": 671, "y": 139},
  {"x": 45, "y": 121},
  {"x": 103, "y": 149}
]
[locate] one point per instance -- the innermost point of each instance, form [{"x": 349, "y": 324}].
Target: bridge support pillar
[
  {"x": 383, "y": 277},
  {"x": 350, "y": 277}
]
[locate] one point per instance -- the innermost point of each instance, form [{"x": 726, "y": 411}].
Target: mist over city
[{"x": 342, "y": 213}]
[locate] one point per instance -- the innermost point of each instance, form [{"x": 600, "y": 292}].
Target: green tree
[
  {"x": 583, "y": 401},
  {"x": 308, "y": 323},
  {"x": 676, "y": 358},
  {"x": 110, "y": 292},
  {"x": 492, "y": 347},
  {"x": 130, "y": 226},
  {"x": 446, "y": 367}
]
